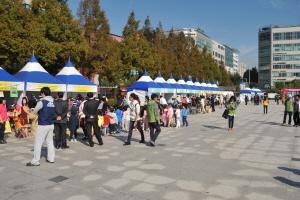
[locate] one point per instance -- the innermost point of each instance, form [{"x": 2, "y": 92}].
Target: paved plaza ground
[{"x": 255, "y": 161}]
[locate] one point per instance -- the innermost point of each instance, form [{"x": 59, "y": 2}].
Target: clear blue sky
[{"x": 230, "y": 22}]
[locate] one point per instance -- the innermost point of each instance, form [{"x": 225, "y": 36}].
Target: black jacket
[
  {"x": 61, "y": 109},
  {"x": 90, "y": 109}
]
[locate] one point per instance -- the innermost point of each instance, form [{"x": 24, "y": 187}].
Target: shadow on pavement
[
  {"x": 295, "y": 171},
  {"x": 288, "y": 181},
  {"x": 213, "y": 127},
  {"x": 270, "y": 123}
]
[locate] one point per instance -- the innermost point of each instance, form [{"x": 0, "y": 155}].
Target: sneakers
[
  {"x": 75, "y": 140},
  {"x": 72, "y": 140},
  {"x": 142, "y": 141},
  {"x": 283, "y": 123},
  {"x": 31, "y": 165},
  {"x": 49, "y": 161}
]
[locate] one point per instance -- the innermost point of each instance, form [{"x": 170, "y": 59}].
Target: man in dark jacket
[
  {"x": 212, "y": 101},
  {"x": 60, "y": 122},
  {"x": 91, "y": 116}
]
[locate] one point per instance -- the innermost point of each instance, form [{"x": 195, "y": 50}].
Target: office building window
[
  {"x": 286, "y": 36},
  {"x": 291, "y": 66},
  {"x": 286, "y": 47},
  {"x": 285, "y": 57}
]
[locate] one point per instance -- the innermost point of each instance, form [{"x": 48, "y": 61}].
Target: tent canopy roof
[
  {"x": 5, "y": 76},
  {"x": 70, "y": 75},
  {"x": 143, "y": 83},
  {"x": 34, "y": 72}
]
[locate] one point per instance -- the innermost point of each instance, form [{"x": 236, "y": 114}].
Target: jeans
[
  {"x": 265, "y": 109},
  {"x": 139, "y": 127},
  {"x": 119, "y": 126},
  {"x": 152, "y": 126},
  {"x": 290, "y": 117},
  {"x": 184, "y": 121},
  {"x": 197, "y": 107},
  {"x": 230, "y": 121}
]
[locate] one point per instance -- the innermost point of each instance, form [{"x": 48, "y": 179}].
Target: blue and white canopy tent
[
  {"x": 8, "y": 82},
  {"x": 166, "y": 86},
  {"x": 173, "y": 83},
  {"x": 257, "y": 91},
  {"x": 192, "y": 85},
  {"x": 188, "y": 88},
  {"x": 206, "y": 89},
  {"x": 247, "y": 90},
  {"x": 36, "y": 77},
  {"x": 200, "y": 88},
  {"x": 169, "y": 90},
  {"x": 216, "y": 88},
  {"x": 144, "y": 86},
  {"x": 74, "y": 81},
  {"x": 210, "y": 88}
]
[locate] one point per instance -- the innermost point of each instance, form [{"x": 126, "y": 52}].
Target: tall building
[
  {"x": 218, "y": 52},
  {"x": 235, "y": 62},
  {"x": 242, "y": 68},
  {"x": 201, "y": 39},
  {"x": 278, "y": 55}
]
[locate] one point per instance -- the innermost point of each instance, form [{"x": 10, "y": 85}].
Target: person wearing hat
[{"x": 288, "y": 110}]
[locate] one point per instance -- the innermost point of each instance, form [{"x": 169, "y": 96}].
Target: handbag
[{"x": 225, "y": 113}]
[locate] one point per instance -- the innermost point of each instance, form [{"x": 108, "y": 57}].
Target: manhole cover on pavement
[
  {"x": 295, "y": 159},
  {"x": 58, "y": 179}
]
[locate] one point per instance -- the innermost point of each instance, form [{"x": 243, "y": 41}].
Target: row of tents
[
  {"x": 159, "y": 85},
  {"x": 32, "y": 77}
]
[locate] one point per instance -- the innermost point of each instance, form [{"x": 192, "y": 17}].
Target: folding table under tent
[
  {"x": 36, "y": 77},
  {"x": 9, "y": 82},
  {"x": 75, "y": 82},
  {"x": 189, "y": 89},
  {"x": 173, "y": 83},
  {"x": 143, "y": 87}
]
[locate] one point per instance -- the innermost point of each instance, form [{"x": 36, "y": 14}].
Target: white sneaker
[
  {"x": 75, "y": 140},
  {"x": 72, "y": 140}
]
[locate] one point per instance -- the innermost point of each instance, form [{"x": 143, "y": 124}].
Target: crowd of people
[{"x": 98, "y": 119}]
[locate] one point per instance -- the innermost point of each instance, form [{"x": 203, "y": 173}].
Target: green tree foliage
[
  {"x": 137, "y": 52},
  {"x": 53, "y": 34}
]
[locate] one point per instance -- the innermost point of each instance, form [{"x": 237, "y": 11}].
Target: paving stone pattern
[{"x": 201, "y": 161}]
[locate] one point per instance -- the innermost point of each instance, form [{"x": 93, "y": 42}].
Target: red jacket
[{"x": 106, "y": 120}]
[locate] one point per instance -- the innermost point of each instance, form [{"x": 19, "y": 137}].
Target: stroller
[{"x": 20, "y": 129}]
